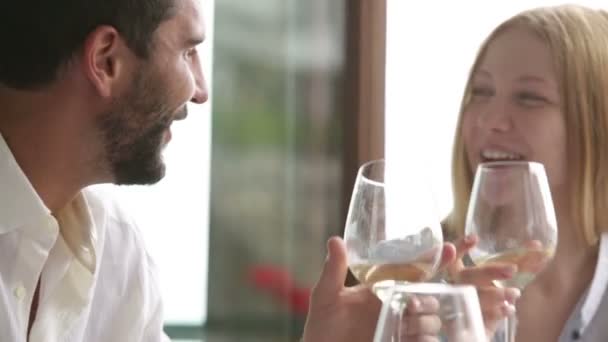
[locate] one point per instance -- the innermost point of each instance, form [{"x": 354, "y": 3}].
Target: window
[
  {"x": 429, "y": 54},
  {"x": 276, "y": 162}
]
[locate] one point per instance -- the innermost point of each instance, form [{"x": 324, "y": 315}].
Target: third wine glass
[{"x": 511, "y": 211}]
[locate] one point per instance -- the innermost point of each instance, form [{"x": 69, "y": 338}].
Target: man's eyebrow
[{"x": 195, "y": 41}]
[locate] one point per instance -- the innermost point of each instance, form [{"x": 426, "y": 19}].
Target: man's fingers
[{"x": 334, "y": 272}]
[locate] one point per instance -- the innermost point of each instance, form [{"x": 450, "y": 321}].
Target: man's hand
[{"x": 338, "y": 313}]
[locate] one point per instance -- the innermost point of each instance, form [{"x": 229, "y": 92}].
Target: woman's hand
[{"x": 496, "y": 303}]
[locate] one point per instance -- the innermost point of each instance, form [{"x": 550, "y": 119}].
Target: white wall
[{"x": 430, "y": 48}]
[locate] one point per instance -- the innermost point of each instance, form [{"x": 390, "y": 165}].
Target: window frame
[{"x": 363, "y": 128}]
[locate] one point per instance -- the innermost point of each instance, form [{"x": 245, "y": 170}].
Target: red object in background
[{"x": 279, "y": 284}]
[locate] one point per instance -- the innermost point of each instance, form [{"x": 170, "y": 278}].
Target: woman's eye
[{"x": 530, "y": 99}]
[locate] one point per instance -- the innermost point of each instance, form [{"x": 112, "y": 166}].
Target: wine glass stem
[
  {"x": 400, "y": 310},
  {"x": 511, "y": 328}
]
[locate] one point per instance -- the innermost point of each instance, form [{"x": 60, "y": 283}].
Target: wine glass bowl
[
  {"x": 456, "y": 308},
  {"x": 388, "y": 242},
  {"x": 511, "y": 211}
]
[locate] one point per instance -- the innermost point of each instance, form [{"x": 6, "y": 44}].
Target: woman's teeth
[{"x": 499, "y": 155}]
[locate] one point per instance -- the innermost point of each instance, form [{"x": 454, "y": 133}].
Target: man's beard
[{"x": 133, "y": 132}]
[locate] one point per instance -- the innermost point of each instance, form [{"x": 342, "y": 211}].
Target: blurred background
[{"x": 302, "y": 93}]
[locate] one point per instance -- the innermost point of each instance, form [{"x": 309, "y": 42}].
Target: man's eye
[
  {"x": 482, "y": 92},
  {"x": 191, "y": 52}
]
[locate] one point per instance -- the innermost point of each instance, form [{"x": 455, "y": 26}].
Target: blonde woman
[{"x": 538, "y": 91}]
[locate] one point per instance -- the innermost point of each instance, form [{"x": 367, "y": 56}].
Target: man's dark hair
[{"x": 38, "y": 37}]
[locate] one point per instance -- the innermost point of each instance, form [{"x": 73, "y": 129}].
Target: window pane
[
  {"x": 276, "y": 162},
  {"x": 426, "y": 75}
]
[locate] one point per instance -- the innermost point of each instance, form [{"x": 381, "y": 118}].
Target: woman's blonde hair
[{"x": 578, "y": 40}]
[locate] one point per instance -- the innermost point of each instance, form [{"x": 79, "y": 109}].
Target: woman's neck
[{"x": 573, "y": 256}]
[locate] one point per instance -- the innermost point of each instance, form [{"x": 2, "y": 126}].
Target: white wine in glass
[
  {"x": 387, "y": 242},
  {"x": 371, "y": 274},
  {"x": 511, "y": 211},
  {"x": 529, "y": 262}
]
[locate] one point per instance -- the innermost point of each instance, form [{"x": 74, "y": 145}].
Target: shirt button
[{"x": 19, "y": 292}]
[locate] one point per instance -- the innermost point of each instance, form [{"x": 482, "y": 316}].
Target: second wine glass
[
  {"x": 388, "y": 240},
  {"x": 454, "y": 310},
  {"x": 511, "y": 211}
]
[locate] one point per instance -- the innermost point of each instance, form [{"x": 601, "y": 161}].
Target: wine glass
[
  {"x": 456, "y": 309},
  {"x": 389, "y": 240},
  {"x": 511, "y": 211}
]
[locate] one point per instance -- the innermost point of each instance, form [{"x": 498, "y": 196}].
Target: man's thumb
[{"x": 334, "y": 271}]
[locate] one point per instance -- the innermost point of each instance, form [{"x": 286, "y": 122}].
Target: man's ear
[{"x": 105, "y": 57}]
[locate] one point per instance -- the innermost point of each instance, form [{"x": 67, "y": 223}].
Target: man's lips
[
  {"x": 167, "y": 135},
  {"x": 181, "y": 115}
]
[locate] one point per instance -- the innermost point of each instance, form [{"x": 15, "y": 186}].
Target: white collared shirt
[
  {"x": 589, "y": 320},
  {"x": 97, "y": 281}
]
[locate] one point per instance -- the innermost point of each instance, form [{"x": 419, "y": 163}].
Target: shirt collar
[
  {"x": 19, "y": 202},
  {"x": 599, "y": 283},
  {"x": 78, "y": 229},
  {"x": 21, "y": 205}
]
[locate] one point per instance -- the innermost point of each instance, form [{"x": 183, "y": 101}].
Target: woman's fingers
[
  {"x": 422, "y": 321},
  {"x": 424, "y": 325},
  {"x": 422, "y": 305},
  {"x": 536, "y": 257},
  {"x": 462, "y": 247},
  {"x": 496, "y": 305},
  {"x": 496, "y": 295},
  {"x": 464, "y": 244},
  {"x": 485, "y": 274},
  {"x": 423, "y": 338}
]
